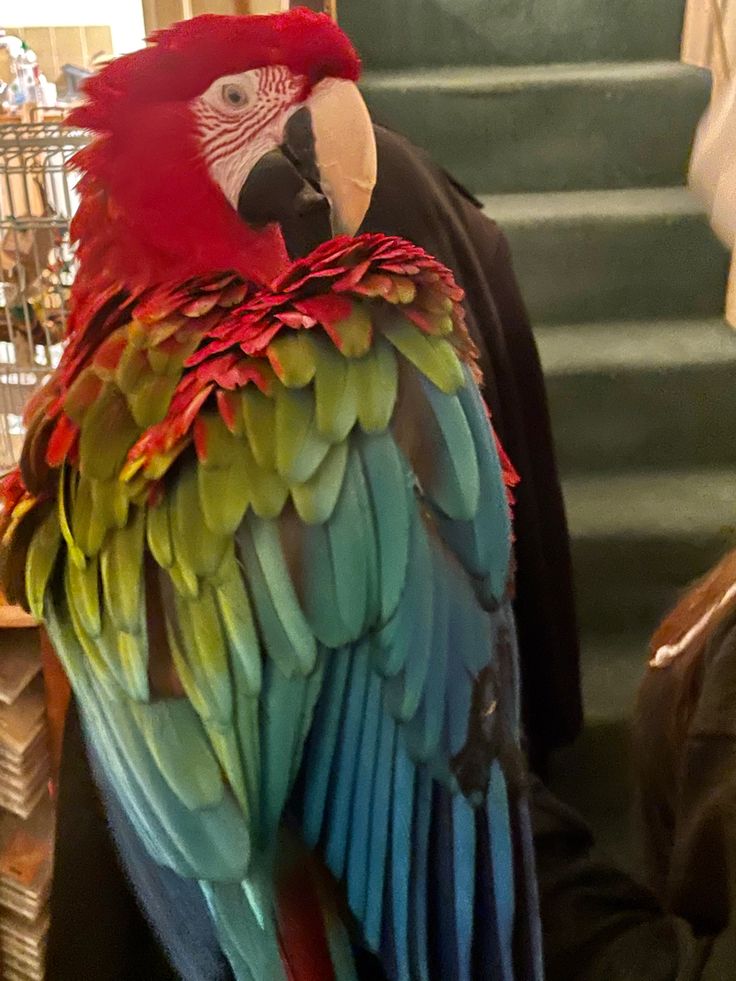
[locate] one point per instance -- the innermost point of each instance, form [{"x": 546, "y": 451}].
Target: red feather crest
[{"x": 186, "y": 58}]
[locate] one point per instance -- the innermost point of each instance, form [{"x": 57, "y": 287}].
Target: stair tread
[
  {"x": 571, "y": 349},
  {"x": 612, "y": 670},
  {"x": 682, "y": 505},
  {"x": 495, "y": 78},
  {"x": 626, "y": 204}
]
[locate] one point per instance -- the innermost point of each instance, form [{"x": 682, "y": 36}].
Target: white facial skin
[{"x": 240, "y": 118}]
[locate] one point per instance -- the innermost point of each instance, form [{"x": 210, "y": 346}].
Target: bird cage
[{"x": 37, "y": 201}]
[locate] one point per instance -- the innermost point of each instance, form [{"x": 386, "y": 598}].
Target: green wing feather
[
  {"x": 300, "y": 448},
  {"x": 335, "y": 394},
  {"x": 434, "y": 357},
  {"x": 40, "y": 561},
  {"x": 107, "y": 433},
  {"x": 376, "y": 381},
  {"x": 316, "y": 498}
]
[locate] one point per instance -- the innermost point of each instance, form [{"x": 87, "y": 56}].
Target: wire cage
[{"x": 37, "y": 201}]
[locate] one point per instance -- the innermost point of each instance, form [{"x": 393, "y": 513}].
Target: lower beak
[{"x": 320, "y": 181}]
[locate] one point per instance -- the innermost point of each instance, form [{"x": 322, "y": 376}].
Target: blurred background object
[
  {"x": 709, "y": 40},
  {"x": 37, "y": 201},
  {"x": 50, "y": 44}
]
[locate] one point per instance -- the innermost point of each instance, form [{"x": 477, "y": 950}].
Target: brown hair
[
  {"x": 705, "y": 595},
  {"x": 700, "y": 612}
]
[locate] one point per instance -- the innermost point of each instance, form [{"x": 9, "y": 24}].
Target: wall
[
  {"x": 74, "y": 31},
  {"x": 161, "y": 13},
  {"x": 65, "y": 45},
  {"x": 123, "y": 17}
]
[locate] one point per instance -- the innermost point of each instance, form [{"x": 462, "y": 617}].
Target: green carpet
[
  {"x": 602, "y": 255},
  {"x": 548, "y": 127},
  {"x": 403, "y": 33}
]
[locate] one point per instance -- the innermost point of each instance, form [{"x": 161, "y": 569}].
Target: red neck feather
[{"x": 150, "y": 214}]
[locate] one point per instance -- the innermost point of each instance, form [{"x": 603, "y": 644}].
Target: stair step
[
  {"x": 442, "y": 32},
  {"x": 682, "y": 505},
  {"x": 596, "y": 777},
  {"x": 612, "y": 670},
  {"x": 646, "y": 395},
  {"x": 613, "y": 255},
  {"x": 548, "y": 127},
  {"x": 639, "y": 539}
]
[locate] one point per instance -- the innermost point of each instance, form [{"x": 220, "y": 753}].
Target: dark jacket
[{"x": 91, "y": 900}]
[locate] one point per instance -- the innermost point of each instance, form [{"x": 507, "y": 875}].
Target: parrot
[{"x": 262, "y": 512}]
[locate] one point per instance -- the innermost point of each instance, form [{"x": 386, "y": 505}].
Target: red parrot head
[{"x": 228, "y": 143}]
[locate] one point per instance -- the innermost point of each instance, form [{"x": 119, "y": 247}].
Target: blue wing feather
[
  {"x": 379, "y": 833},
  {"x": 453, "y": 481},
  {"x": 389, "y": 488},
  {"x": 341, "y": 791},
  {"x": 483, "y": 543},
  {"x": 323, "y": 748},
  {"x": 412, "y": 639},
  {"x": 282, "y": 702},
  {"x": 358, "y": 857},
  {"x": 402, "y": 820},
  {"x": 423, "y": 731},
  {"x": 441, "y": 900},
  {"x": 418, "y": 911},
  {"x": 463, "y": 861},
  {"x": 499, "y": 829},
  {"x": 347, "y": 533},
  {"x": 319, "y": 590}
]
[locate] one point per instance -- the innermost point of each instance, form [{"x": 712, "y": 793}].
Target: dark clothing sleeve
[{"x": 599, "y": 925}]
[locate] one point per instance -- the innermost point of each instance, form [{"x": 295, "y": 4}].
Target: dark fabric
[
  {"x": 418, "y": 201},
  {"x": 598, "y": 924}
]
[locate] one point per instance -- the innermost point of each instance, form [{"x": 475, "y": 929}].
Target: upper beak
[
  {"x": 345, "y": 151},
  {"x": 319, "y": 182}
]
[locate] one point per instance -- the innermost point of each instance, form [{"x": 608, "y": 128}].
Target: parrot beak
[
  {"x": 345, "y": 151},
  {"x": 319, "y": 182}
]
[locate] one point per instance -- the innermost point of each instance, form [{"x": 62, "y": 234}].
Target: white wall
[{"x": 125, "y": 18}]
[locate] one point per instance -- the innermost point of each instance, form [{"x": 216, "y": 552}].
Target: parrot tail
[{"x": 283, "y": 924}]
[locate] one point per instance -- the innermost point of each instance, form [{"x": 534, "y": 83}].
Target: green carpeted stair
[
  {"x": 573, "y": 120},
  {"x": 548, "y": 127},
  {"x": 403, "y": 33}
]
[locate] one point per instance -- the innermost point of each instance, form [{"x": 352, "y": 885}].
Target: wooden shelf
[{"x": 13, "y": 617}]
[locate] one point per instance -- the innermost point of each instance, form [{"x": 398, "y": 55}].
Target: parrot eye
[{"x": 234, "y": 95}]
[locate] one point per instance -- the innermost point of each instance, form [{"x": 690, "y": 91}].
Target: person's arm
[
  {"x": 598, "y": 923},
  {"x": 701, "y": 885}
]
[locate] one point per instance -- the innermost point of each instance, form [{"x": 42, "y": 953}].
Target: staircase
[{"x": 573, "y": 119}]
